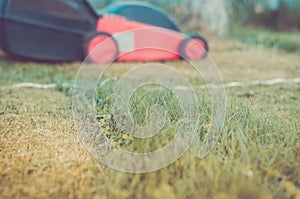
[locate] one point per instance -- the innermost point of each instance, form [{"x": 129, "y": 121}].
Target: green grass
[
  {"x": 140, "y": 107},
  {"x": 288, "y": 41},
  {"x": 257, "y": 156}
]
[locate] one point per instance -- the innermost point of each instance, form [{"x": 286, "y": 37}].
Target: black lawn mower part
[
  {"x": 110, "y": 52},
  {"x": 187, "y": 47},
  {"x": 51, "y": 30}
]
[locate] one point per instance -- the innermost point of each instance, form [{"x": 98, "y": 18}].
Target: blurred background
[
  {"x": 271, "y": 23},
  {"x": 273, "y": 14}
]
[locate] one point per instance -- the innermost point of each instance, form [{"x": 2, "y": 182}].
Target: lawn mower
[{"x": 67, "y": 30}]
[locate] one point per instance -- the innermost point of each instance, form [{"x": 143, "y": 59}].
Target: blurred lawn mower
[{"x": 67, "y": 30}]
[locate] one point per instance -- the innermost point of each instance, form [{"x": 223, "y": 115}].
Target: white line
[
  {"x": 226, "y": 85},
  {"x": 253, "y": 83},
  {"x": 29, "y": 85}
]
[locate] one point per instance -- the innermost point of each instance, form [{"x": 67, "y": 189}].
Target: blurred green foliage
[
  {"x": 288, "y": 41},
  {"x": 274, "y": 14}
]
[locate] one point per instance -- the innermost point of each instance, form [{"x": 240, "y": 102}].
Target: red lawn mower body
[
  {"x": 141, "y": 32},
  {"x": 136, "y": 41}
]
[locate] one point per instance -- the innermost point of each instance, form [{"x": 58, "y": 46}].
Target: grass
[
  {"x": 288, "y": 41},
  {"x": 140, "y": 106},
  {"x": 258, "y": 155}
]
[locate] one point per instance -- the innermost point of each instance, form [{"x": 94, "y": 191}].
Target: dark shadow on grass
[{"x": 12, "y": 58}]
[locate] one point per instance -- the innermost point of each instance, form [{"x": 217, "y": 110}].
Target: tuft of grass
[{"x": 140, "y": 107}]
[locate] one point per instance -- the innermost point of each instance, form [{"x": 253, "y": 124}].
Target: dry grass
[{"x": 258, "y": 155}]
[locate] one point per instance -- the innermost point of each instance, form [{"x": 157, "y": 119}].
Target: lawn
[{"x": 257, "y": 155}]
